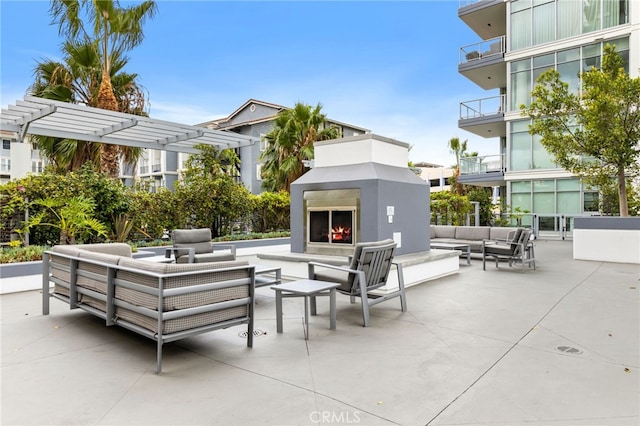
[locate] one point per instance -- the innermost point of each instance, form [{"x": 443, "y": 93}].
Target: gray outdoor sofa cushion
[
  {"x": 164, "y": 302},
  {"x": 471, "y": 235}
]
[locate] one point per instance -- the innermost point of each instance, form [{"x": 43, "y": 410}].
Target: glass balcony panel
[{"x": 481, "y": 164}]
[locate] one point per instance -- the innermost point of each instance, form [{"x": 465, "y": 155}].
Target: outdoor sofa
[
  {"x": 472, "y": 235},
  {"x": 164, "y": 302}
]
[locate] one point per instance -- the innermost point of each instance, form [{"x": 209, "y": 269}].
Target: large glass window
[
  {"x": 541, "y": 157},
  {"x": 544, "y": 19},
  {"x": 569, "y": 19},
  {"x": 534, "y": 22},
  {"x": 550, "y": 197},
  {"x": 569, "y": 63},
  {"x": 520, "y": 83},
  {"x": 520, "y": 153},
  {"x": 569, "y": 68},
  {"x": 526, "y": 151},
  {"x": 591, "y": 15},
  {"x": 568, "y": 196},
  {"x": 520, "y": 24}
]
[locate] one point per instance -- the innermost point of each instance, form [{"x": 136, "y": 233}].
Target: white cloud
[{"x": 182, "y": 113}]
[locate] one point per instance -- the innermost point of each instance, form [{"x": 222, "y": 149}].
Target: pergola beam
[{"x": 45, "y": 117}]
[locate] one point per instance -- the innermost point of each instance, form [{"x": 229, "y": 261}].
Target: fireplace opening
[
  {"x": 331, "y": 221},
  {"x": 331, "y": 226}
]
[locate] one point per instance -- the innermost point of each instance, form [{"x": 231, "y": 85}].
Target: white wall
[{"x": 607, "y": 245}]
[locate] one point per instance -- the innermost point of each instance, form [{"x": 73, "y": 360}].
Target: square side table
[{"x": 309, "y": 289}]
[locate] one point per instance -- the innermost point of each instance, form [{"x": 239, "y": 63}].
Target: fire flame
[{"x": 340, "y": 233}]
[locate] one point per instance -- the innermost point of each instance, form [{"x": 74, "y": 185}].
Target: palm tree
[
  {"x": 290, "y": 145},
  {"x": 460, "y": 150},
  {"x": 115, "y": 30},
  {"x": 76, "y": 80}
]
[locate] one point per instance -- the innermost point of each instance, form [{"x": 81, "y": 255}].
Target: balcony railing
[
  {"x": 482, "y": 107},
  {"x": 483, "y": 164},
  {"x": 463, "y": 3},
  {"x": 492, "y": 48}
]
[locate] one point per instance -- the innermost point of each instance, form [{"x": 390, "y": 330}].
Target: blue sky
[{"x": 388, "y": 66}]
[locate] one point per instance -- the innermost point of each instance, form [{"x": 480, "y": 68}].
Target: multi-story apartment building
[
  {"x": 253, "y": 118},
  {"x": 18, "y": 159},
  {"x": 520, "y": 39}
]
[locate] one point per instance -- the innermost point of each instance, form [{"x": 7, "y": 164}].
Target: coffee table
[
  {"x": 454, "y": 246},
  {"x": 309, "y": 289}
]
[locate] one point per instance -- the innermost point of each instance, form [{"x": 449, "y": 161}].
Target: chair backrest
[
  {"x": 513, "y": 237},
  {"x": 198, "y": 239},
  {"x": 523, "y": 240},
  {"x": 374, "y": 259}
]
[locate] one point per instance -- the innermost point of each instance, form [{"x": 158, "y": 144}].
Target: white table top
[{"x": 306, "y": 286}]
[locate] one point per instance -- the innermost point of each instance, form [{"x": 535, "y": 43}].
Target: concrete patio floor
[{"x": 556, "y": 346}]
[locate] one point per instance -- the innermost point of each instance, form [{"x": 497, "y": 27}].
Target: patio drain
[
  {"x": 569, "y": 350},
  {"x": 256, "y": 332}
]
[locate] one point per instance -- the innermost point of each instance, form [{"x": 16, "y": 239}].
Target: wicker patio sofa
[
  {"x": 164, "y": 302},
  {"x": 472, "y": 235}
]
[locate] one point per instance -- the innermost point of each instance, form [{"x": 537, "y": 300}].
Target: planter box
[{"x": 607, "y": 239}]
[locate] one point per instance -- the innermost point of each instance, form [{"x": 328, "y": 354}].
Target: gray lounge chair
[
  {"x": 517, "y": 248},
  {"x": 195, "y": 246},
  {"x": 369, "y": 270}
]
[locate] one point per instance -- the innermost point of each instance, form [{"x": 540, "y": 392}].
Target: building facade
[
  {"x": 520, "y": 39},
  {"x": 255, "y": 118}
]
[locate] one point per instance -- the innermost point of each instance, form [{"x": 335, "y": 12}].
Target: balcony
[
  {"x": 487, "y": 170},
  {"x": 484, "y": 117},
  {"x": 487, "y": 18},
  {"x": 483, "y": 63}
]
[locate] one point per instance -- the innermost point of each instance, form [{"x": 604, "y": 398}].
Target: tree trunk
[
  {"x": 65, "y": 239},
  {"x": 622, "y": 193},
  {"x": 109, "y": 153}
]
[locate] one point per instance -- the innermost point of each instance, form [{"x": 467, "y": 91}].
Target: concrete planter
[{"x": 607, "y": 239}]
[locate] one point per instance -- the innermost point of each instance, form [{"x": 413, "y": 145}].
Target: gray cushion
[
  {"x": 499, "y": 233},
  {"x": 199, "y": 239},
  {"x": 208, "y": 257},
  {"x": 199, "y": 248},
  {"x": 445, "y": 231},
  {"x": 472, "y": 233}
]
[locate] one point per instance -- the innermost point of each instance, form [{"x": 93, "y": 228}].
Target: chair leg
[
  {"x": 365, "y": 309},
  {"x": 364, "y": 300},
  {"x": 403, "y": 297}
]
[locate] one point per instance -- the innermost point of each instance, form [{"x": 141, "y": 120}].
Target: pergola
[{"x": 38, "y": 116}]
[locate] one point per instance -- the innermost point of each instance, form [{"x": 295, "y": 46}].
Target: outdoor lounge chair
[
  {"x": 194, "y": 246},
  {"x": 369, "y": 270},
  {"x": 517, "y": 248}
]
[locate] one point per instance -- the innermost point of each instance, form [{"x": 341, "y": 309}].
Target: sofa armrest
[
  {"x": 230, "y": 247},
  {"x": 175, "y": 252}
]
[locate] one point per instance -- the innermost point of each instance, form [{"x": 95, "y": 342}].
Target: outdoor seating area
[
  {"x": 471, "y": 235},
  {"x": 164, "y": 302},
  {"x": 369, "y": 270},
  {"x": 195, "y": 246},
  {"x": 516, "y": 248},
  {"x": 473, "y": 348}
]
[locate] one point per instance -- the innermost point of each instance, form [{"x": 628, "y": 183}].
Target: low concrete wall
[{"x": 607, "y": 239}]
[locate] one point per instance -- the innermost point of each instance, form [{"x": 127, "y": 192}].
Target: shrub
[{"x": 272, "y": 212}]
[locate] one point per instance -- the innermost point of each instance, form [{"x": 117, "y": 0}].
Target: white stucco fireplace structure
[{"x": 360, "y": 189}]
